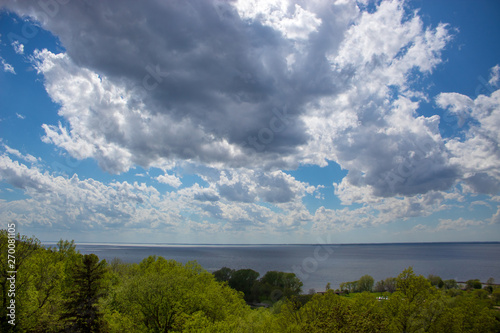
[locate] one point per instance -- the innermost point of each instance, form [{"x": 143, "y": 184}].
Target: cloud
[
  {"x": 495, "y": 219},
  {"x": 459, "y": 224},
  {"x": 18, "y": 47},
  {"x": 494, "y": 75},
  {"x": 7, "y": 67},
  {"x": 28, "y": 157},
  {"x": 293, "y": 24},
  {"x": 373, "y": 129},
  {"x": 81, "y": 204},
  {"x": 171, "y": 180},
  {"x": 168, "y": 95},
  {"x": 477, "y": 154},
  {"x": 242, "y": 90}
]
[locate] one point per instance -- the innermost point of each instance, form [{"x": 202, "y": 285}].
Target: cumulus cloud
[
  {"x": 477, "y": 154},
  {"x": 260, "y": 85},
  {"x": 171, "y": 180},
  {"x": 81, "y": 204},
  {"x": 239, "y": 91},
  {"x": 87, "y": 204}
]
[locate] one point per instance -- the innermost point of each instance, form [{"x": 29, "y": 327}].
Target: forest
[{"x": 57, "y": 289}]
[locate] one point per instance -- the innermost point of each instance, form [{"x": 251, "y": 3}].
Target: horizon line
[{"x": 269, "y": 244}]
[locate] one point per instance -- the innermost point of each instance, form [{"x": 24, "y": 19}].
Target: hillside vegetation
[{"x": 60, "y": 290}]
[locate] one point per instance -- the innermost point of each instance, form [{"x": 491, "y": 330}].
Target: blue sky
[{"x": 251, "y": 121}]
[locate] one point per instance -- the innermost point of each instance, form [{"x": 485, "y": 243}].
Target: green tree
[
  {"x": 450, "y": 284},
  {"x": 365, "y": 283},
  {"x": 42, "y": 294},
  {"x": 24, "y": 249},
  {"x": 224, "y": 274},
  {"x": 349, "y": 287},
  {"x": 435, "y": 281},
  {"x": 82, "y": 312},
  {"x": 473, "y": 284},
  {"x": 162, "y": 295},
  {"x": 332, "y": 313},
  {"x": 495, "y": 296},
  {"x": 407, "y": 306},
  {"x": 276, "y": 284},
  {"x": 390, "y": 284},
  {"x": 243, "y": 280},
  {"x": 379, "y": 287}
]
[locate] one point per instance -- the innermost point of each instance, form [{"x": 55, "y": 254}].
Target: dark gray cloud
[
  {"x": 219, "y": 75},
  {"x": 220, "y": 84}
]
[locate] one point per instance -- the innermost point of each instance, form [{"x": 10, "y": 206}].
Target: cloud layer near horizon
[{"x": 246, "y": 89}]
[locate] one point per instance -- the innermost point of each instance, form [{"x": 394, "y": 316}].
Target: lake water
[{"x": 316, "y": 265}]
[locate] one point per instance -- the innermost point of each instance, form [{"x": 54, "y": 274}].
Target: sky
[{"x": 250, "y": 122}]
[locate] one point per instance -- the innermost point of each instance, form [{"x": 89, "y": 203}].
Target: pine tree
[{"x": 82, "y": 313}]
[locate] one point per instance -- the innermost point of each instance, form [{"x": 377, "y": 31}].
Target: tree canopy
[{"x": 60, "y": 290}]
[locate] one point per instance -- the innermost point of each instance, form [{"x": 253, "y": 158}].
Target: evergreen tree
[{"x": 82, "y": 313}]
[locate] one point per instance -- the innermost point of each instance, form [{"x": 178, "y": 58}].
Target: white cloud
[
  {"x": 495, "y": 219},
  {"x": 477, "y": 154},
  {"x": 459, "y": 224},
  {"x": 289, "y": 18},
  {"x": 7, "y": 67},
  {"x": 81, "y": 204},
  {"x": 494, "y": 75},
  {"x": 20, "y": 116},
  {"x": 203, "y": 85},
  {"x": 171, "y": 180},
  {"x": 28, "y": 157},
  {"x": 18, "y": 47}
]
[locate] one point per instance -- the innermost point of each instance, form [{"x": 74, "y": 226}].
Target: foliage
[
  {"x": 243, "y": 280},
  {"x": 275, "y": 285},
  {"x": 473, "y": 284},
  {"x": 450, "y": 284},
  {"x": 58, "y": 289},
  {"x": 365, "y": 283},
  {"x": 224, "y": 274},
  {"x": 435, "y": 281},
  {"x": 82, "y": 313},
  {"x": 163, "y": 295}
]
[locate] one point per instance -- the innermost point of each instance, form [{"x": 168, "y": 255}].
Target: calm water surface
[{"x": 317, "y": 265}]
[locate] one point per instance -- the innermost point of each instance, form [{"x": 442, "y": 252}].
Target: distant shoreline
[{"x": 261, "y": 245}]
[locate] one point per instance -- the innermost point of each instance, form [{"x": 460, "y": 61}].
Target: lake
[{"x": 316, "y": 265}]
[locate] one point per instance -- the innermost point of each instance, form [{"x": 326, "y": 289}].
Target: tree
[
  {"x": 407, "y": 306},
  {"x": 332, "y": 313},
  {"x": 24, "y": 249},
  {"x": 495, "y": 296},
  {"x": 224, "y": 274},
  {"x": 435, "y": 281},
  {"x": 473, "y": 284},
  {"x": 450, "y": 284},
  {"x": 349, "y": 287},
  {"x": 42, "y": 294},
  {"x": 365, "y": 283},
  {"x": 82, "y": 313},
  {"x": 243, "y": 280},
  {"x": 275, "y": 285},
  {"x": 162, "y": 295},
  {"x": 390, "y": 284},
  {"x": 379, "y": 286}
]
